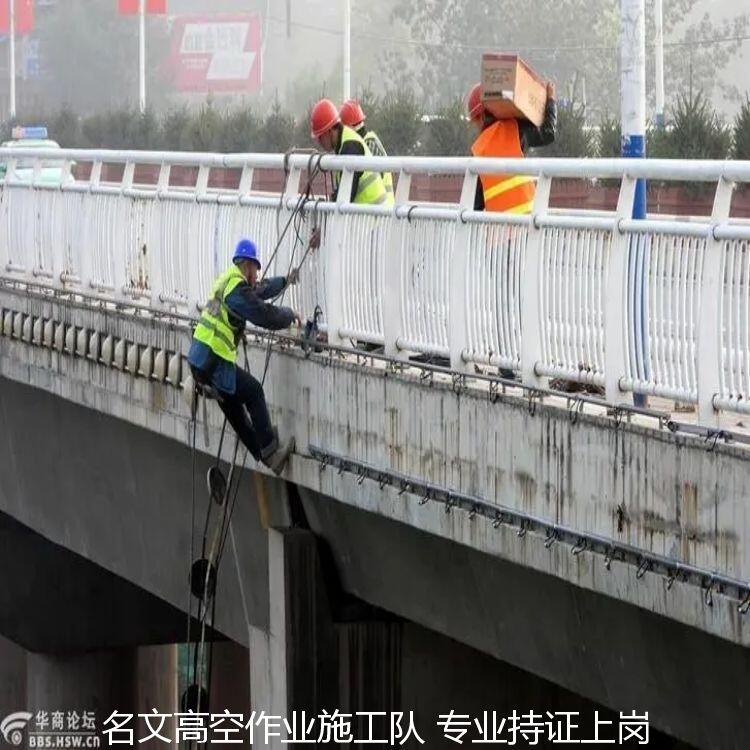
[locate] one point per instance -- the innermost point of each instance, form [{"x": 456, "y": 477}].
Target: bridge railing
[{"x": 657, "y": 306}]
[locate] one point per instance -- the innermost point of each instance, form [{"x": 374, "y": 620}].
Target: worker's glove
[
  {"x": 315, "y": 238},
  {"x": 293, "y": 277}
]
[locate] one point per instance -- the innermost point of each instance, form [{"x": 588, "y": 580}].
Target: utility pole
[
  {"x": 633, "y": 71},
  {"x": 659, "y": 48},
  {"x": 12, "y": 66},
  {"x": 142, "y": 55},
  {"x": 347, "y": 49},
  {"x": 633, "y": 60}
]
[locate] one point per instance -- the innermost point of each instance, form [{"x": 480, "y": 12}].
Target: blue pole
[{"x": 633, "y": 68}]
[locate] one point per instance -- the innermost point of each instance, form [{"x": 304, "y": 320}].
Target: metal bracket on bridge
[
  {"x": 494, "y": 391},
  {"x": 534, "y": 397},
  {"x": 458, "y": 382},
  {"x": 579, "y": 542},
  {"x": 575, "y": 408}
]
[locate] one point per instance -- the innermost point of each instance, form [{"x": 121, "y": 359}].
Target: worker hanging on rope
[
  {"x": 505, "y": 139},
  {"x": 353, "y": 116},
  {"x": 238, "y": 297}
]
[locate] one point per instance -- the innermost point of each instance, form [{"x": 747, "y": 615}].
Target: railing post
[
  {"x": 195, "y": 292},
  {"x": 710, "y": 325},
  {"x": 246, "y": 182},
  {"x": 291, "y": 191},
  {"x": 615, "y": 300},
  {"x": 201, "y": 183},
  {"x": 334, "y": 255},
  {"x": 392, "y": 302},
  {"x": 459, "y": 301},
  {"x": 531, "y": 321},
  {"x": 85, "y": 227},
  {"x": 122, "y": 268},
  {"x": 154, "y": 237}
]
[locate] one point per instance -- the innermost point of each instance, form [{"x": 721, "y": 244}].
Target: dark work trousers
[{"x": 248, "y": 400}]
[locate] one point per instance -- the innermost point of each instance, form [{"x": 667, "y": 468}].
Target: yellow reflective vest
[
  {"x": 377, "y": 149},
  {"x": 214, "y": 327},
  {"x": 370, "y": 188}
]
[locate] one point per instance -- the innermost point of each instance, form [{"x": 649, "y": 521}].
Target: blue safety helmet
[{"x": 246, "y": 250}]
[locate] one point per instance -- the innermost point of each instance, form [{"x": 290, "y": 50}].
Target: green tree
[
  {"x": 278, "y": 131},
  {"x": 175, "y": 130},
  {"x": 447, "y": 133},
  {"x": 609, "y": 138},
  {"x": 397, "y": 119},
  {"x": 206, "y": 129},
  {"x": 455, "y": 33},
  {"x": 693, "y": 62},
  {"x": 567, "y": 41},
  {"x": 693, "y": 130},
  {"x": 241, "y": 131},
  {"x": 741, "y": 132},
  {"x": 65, "y": 128},
  {"x": 574, "y": 139}
]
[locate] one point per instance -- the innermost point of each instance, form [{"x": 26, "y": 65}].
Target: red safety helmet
[
  {"x": 351, "y": 113},
  {"x": 474, "y": 104},
  {"x": 324, "y": 116}
]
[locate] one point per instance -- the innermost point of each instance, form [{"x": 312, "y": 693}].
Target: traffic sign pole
[
  {"x": 142, "y": 55},
  {"x": 12, "y": 66}
]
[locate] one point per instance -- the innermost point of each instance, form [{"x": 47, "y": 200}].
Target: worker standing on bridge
[
  {"x": 353, "y": 116},
  {"x": 236, "y": 298},
  {"x": 335, "y": 137},
  {"x": 509, "y": 138}
]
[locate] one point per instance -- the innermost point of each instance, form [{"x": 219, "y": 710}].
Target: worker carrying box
[{"x": 513, "y": 110}]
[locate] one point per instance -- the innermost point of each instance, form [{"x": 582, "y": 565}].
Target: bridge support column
[
  {"x": 294, "y": 665},
  {"x": 12, "y": 677},
  {"x": 230, "y": 678},
  {"x": 100, "y": 681},
  {"x": 320, "y": 653},
  {"x": 126, "y": 680}
]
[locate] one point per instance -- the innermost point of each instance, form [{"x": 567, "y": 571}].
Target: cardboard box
[{"x": 510, "y": 88}]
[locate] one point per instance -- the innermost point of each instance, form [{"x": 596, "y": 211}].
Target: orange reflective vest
[{"x": 508, "y": 193}]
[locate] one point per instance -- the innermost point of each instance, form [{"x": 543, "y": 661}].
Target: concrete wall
[
  {"x": 693, "y": 684},
  {"x": 119, "y": 496},
  {"x": 507, "y": 596},
  {"x": 635, "y": 484}
]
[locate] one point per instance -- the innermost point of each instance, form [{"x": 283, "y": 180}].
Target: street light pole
[
  {"x": 633, "y": 93},
  {"x": 142, "y": 55},
  {"x": 659, "y": 48},
  {"x": 12, "y": 66},
  {"x": 633, "y": 59},
  {"x": 347, "y": 49}
]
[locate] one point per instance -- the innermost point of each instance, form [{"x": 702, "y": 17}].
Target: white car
[{"x": 33, "y": 137}]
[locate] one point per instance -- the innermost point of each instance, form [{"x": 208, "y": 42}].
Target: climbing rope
[{"x": 196, "y": 695}]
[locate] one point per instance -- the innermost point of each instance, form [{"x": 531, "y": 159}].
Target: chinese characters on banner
[
  {"x": 216, "y": 53},
  {"x": 395, "y": 729}
]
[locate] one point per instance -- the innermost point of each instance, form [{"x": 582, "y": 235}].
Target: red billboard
[
  {"x": 131, "y": 7},
  {"x": 23, "y": 19},
  {"x": 216, "y": 53}
]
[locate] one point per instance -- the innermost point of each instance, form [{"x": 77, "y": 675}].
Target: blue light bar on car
[{"x": 38, "y": 132}]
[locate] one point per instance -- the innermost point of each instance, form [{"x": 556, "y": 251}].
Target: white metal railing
[{"x": 656, "y": 306}]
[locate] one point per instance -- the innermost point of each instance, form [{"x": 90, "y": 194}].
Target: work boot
[
  {"x": 277, "y": 461},
  {"x": 275, "y": 455}
]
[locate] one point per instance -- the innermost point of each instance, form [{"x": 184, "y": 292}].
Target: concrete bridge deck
[{"x": 615, "y": 628}]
